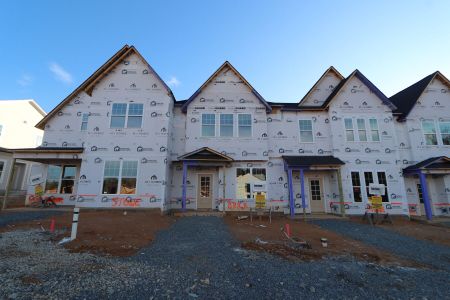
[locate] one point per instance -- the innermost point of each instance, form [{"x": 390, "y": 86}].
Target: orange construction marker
[
  {"x": 288, "y": 229},
  {"x": 52, "y": 225}
]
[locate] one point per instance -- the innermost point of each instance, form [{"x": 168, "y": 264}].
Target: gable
[
  {"x": 112, "y": 66},
  {"x": 205, "y": 154},
  {"x": 225, "y": 82},
  {"x": 356, "y": 84},
  {"x": 405, "y": 100},
  {"x": 320, "y": 91}
]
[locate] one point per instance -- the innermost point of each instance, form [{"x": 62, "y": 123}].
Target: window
[
  {"x": 349, "y": 133},
  {"x": 444, "y": 128},
  {"x": 226, "y": 125},
  {"x": 53, "y": 177},
  {"x": 119, "y": 112},
  {"x": 368, "y": 179},
  {"x": 374, "y": 130},
  {"x": 2, "y": 165},
  {"x": 382, "y": 180},
  {"x": 133, "y": 118},
  {"x": 306, "y": 132},
  {"x": 245, "y": 125},
  {"x": 208, "y": 125},
  {"x": 250, "y": 181},
  {"x": 121, "y": 174},
  {"x": 259, "y": 173},
  {"x": 419, "y": 191},
  {"x": 356, "y": 183},
  {"x": 362, "y": 135},
  {"x": 135, "y": 111},
  {"x": 84, "y": 121},
  {"x": 60, "y": 179},
  {"x": 68, "y": 179},
  {"x": 315, "y": 189},
  {"x": 205, "y": 186},
  {"x": 429, "y": 131}
]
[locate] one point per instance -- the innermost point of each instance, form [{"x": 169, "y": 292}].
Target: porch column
[
  {"x": 426, "y": 199},
  {"x": 302, "y": 191},
  {"x": 9, "y": 183},
  {"x": 291, "y": 194},
  {"x": 183, "y": 197},
  {"x": 341, "y": 192}
]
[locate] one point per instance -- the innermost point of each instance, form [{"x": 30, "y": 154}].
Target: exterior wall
[
  {"x": 227, "y": 93},
  {"x": 6, "y": 159},
  {"x": 432, "y": 105},
  {"x": 17, "y": 118},
  {"x": 355, "y": 100},
  {"x": 129, "y": 82},
  {"x": 167, "y": 133}
]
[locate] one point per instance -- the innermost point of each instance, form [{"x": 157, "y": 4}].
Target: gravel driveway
[
  {"x": 421, "y": 251},
  {"x": 198, "y": 258}
]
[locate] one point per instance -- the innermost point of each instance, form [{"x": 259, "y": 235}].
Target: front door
[
  {"x": 204, "y": 191},
  {"x": 316, "y": 195}
]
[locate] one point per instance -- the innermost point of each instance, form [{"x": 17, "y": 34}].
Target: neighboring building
[
  {"x": 122, "y": 140},
  {"x": 17, "y": 130}
]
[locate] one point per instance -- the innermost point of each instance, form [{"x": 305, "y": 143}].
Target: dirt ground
[
  {"x": 248, "y": 232},
  {"x": 106, "y": 232},
  {"x": 421, "y": 231}
]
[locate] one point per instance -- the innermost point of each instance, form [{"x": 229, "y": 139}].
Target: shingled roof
[{"x": 407, "y": 98}]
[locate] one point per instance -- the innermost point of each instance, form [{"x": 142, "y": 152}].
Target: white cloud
[
  {"x": 173, "y": 82},
  {"x": 60, "y": 73},
  {"x": 25, "y": 80}
]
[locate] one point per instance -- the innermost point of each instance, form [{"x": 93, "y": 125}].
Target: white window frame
[
  {"x": 423, "y": 133},
  {"x": 352, "y": 130},
  {"x": 251, "y": 125},
  {"x": 60, "y": 179},
  {"x": 119, "y": 178},
  {"x": 220, "y": 125},
  {"x": 125, "y": 125},
  {"x": 371, "y": 130},
  {"x": 84, "y": 121},
  {"x": 441, "y": 139},
  {"x": 300, "y": 131},
  {"x": 215, "y": 125},
  {"x": 359, "y": 130}
]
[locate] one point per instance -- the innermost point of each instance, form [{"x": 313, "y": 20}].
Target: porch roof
[
  {"x": 439, "y": 163},
  {"x": 49, "y": 154},
  {"x": 312, "y": 161},
  {"x": 205, "y": 154}
]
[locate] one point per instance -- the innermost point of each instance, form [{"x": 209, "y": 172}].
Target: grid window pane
[
  {"x": 348, "y": 123},
  {"x": 117, "y": 122},
  {"x": 444, "y": 128},
  {"x": 208, "y": 125},
  {"x": 119, "y": 109},
  {"x": 54, "y": 172},
  {"x": 368, "y": 179},
  {"x": 259, "y": 173},
  {"x": 428, "y": 127},
  {"x": 112, "y": 169},
  {"x": 135, "y": 109},
  {"x": 129, "y": 169},
  {"x": 350, "y": 136},
  {"x": 226, "y": 125},
  {"x": 305, "y": 125},
  {"x": 306, "y": 134},
  {"x": 134, "y": 122},
  {"x": 361, "y": 123},
  {"x": 245, "y": 125}
]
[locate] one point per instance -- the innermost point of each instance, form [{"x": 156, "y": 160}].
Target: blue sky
[{"x": 282, "y": 47}]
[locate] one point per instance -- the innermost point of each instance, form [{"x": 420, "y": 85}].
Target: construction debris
[{"x": 242, "y": 217}]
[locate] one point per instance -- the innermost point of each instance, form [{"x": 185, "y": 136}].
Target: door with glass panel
[
  {"x": 316, "y": 195},
  {"x": 204, "y": 191}
]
